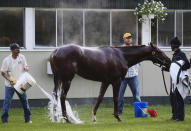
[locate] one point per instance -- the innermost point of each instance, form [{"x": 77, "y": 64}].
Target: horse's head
[{"x": 159, "y": 57}]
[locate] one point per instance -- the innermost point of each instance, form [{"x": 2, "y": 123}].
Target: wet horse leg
[
  {"x": 116, "y": 87},
  {"x": 64, "y": 91},
  {"x": 56, "y": 87},
  {"x": 55, "y": 96},
  {"x": 103, "y": 89}
]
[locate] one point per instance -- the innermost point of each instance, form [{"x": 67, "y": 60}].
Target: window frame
[
  {"x": 84, "y": 27},
  {"x": 185, "y": 48}
]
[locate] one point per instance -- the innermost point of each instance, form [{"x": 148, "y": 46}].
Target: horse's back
[
  {"x": 67, "y": 51},
  {"x": 90, "y": 63}
]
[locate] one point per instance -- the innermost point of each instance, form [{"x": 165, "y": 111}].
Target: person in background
[
  {"x": 177, "y": 102},
  {"x": 12, "y": 68},
  {"x": 131, "y": 78}
]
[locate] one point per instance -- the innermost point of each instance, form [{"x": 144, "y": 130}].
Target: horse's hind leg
[
  {"x": 116, "y": 87},
  {"x": 55, "y": 96},
  {"x": 100, "y": 98},
  {"x": 64, "y": 91},
  {"x": 56, "y": 86}
]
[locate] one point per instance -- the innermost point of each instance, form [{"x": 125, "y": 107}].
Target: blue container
[{"x": 141, "y": 109}]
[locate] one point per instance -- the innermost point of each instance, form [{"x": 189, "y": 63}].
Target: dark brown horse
[{"x": 105, "y": 64}]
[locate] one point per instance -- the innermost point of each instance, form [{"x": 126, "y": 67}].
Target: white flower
[
  {"x": 153, "y": 7},
  {"x": 140, "y": 19}
]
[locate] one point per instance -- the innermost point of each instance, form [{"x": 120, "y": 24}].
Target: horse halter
[{"x": 162, "y": 62}]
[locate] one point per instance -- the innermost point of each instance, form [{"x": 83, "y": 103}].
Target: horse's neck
[{"x": 137, "y": 54}]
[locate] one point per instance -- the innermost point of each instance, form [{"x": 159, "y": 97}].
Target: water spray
[
  {"x": 54, "y": 106},
  {"x": 26, "y": 81}
]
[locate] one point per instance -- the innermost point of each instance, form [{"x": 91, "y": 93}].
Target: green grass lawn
[{"x": 105, "y": 120}]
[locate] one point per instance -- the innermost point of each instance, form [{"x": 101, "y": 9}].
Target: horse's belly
[{"x": 93, "y": 74}]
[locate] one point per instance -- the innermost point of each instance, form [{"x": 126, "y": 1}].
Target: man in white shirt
[
  {"x": 131, "y": 79},
  {"x": 12, "y": 68}
]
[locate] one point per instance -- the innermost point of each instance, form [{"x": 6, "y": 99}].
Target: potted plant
[{"x": 152, "y": 10}]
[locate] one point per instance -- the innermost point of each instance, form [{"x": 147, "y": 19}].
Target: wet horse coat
[{"x": 104, "y": 64}]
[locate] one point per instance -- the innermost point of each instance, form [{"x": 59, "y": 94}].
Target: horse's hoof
[
  {"x": 94, "y": 119},
  {"x": 118, "y": 118},
  {"x": 67, "y": 121}
]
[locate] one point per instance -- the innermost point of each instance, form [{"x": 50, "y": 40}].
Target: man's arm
[
  {"x": 5, "y": 76},
  {"x": 186, "y": 64},
  {"x": 11, "y": 79}
]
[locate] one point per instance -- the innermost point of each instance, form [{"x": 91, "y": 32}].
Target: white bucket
[{"x": 25, "y": 82}]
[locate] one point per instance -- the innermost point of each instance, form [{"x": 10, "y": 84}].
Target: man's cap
[
  {"x": 175, "y": 41},
  {"x": 127, "y": 35},
  {"x": 14, "y": 46}
]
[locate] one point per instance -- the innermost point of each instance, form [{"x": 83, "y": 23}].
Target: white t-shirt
[
  {"x": 132, "y": 71},
  {"x": 13, "y": 67}
]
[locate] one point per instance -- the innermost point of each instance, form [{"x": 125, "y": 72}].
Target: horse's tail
[{"x": 55, "y": 74}]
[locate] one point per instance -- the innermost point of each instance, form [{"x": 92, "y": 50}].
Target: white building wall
[{"x": 150, "y": 78}]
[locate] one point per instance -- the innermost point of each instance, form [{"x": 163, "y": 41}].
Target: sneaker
[
  {"x": 5, "y": 122},
  {"x": 179, "y": 120},
  {"x": 172, "y": 118},
  {"x": 119, "y": 113},
  {"x": 29, "y": 122}
]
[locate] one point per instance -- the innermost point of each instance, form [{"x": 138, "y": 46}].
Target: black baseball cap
[
  {"x": 14, "y": 46},
  {"x": 175, "y": 41}
]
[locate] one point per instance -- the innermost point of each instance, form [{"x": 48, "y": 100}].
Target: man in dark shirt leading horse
[{"x": 177, "y": 102}]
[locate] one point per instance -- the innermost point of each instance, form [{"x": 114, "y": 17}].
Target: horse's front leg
[
  {"x": 116, "y": 87},
  {"x": 65, "y": 88},
  {"x": 103, "y": 89}
]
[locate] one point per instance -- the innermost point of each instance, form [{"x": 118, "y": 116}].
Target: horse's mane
[{"x": 134, "y": 46}]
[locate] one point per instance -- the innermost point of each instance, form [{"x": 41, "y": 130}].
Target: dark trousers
[{"x": 177, "y": 104}]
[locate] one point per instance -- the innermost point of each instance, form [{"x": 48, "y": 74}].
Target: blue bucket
[{"x": 141, "y": 109}]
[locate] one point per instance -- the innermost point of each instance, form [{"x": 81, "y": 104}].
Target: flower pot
[
  {"x": 48, "y": 67},
  {"x": 151, "y": 16}
]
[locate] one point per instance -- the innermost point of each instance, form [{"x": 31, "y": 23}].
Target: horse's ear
[{"x": 151, "y": 44}]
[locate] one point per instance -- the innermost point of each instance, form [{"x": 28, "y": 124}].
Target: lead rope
[{"x": 164, "y": 82}]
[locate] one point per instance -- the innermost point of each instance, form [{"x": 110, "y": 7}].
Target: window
[
  {"x": 70, "y": 27},
  {"x": 187, "y": 28},
  {"x": 45, "y": 27},
  {"x": 97, "y": 28},
  {"x": 11, "y": 26},
  {"x": 166, "y": 30},
  {"x": 177, "y": 23},
  {"x": 90, "y": 27},
  {"x": 122, "y": 22},
  {"x": 178, "y": 29}
]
